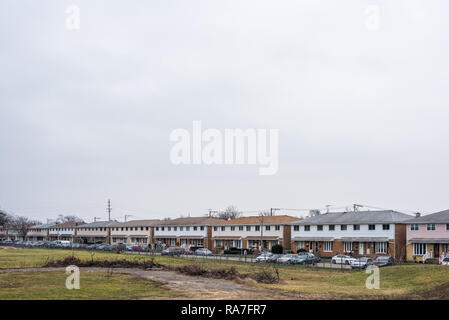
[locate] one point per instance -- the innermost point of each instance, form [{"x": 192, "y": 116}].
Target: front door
[
  {"x": 361, "y": 248},
  {"x": 436, "y": 250}
]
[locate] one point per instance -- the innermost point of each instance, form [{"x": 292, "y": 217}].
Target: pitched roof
[
  {"x": 138, "y": 223},
  {"x": 437, "y": 217},
  {"x": 98, "y": 224},
  {"x": 258, "y": 219},
  {"x": 67, "y": 224},
  {"x": 43, "y": 226},
  {"x": 189, "y": 221},
  {"x": 359, "y": 217}
]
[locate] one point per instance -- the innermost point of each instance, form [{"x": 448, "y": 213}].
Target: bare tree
[
  {"x": 5, "y": 218},
  {"x": 69, "y": 218},
  {"x": 314, "y": 212},
  {"x": 230, "y": 212},
  {"x": 22, "y": 224},
  {"x": 265, "y": 213}
]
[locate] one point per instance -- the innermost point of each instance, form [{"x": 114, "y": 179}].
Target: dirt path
[{"x": 194, "y": 288}]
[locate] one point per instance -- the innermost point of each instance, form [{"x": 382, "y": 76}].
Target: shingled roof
[
  {"x": 138, "y": 223},
  {"x": 189, "y": 221},
  {"x": 438, "y": 217},
  {"x": 258, "y": 219},
  {"x": 358, "y": 217}
]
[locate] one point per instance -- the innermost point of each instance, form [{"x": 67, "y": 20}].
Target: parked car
[
  {"x": 361, "y": 263},
  {"x": 305, "y": 258},
  {"x": 186, "y": 251},
  {"x": 311, "y": 258},
  {"x": 203, "y": 252},
  {"x": 445, "y": 262},
  {"x": 264, "y": 257},
  {"x": 383, "y": 261},
  {"x": 172, "y": 251},
  {"x": 287, "y": 259},
  {"x": 138, "y": 247},
  {"x": 274, "y": 258},
  {"x": 342, "y": 259}
]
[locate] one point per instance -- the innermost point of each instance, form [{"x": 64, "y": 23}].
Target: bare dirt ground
[{"x": 194, "y": 288}]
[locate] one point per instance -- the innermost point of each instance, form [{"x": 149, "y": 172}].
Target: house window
[
  {"x": 419, "y": 249},
  {"x": 195, "y": 228},
  {"x": 202, "y": 228},
  {"x": 331, "y": 227},
  {"x": 328, "y": 246},
  {"x": 447, "y": 226},
  {"x": 223, "y": 228},
  {"x": 146, "y": 228},
  {"x": 257, "y": 228},
  {"x": 187, "y": 228},
  {"x": 215, "y": 228},
  {"x": 306, "y": 228},
  {"x": 240, "y": 228},
  {"x": 319, "y": 228},
  {"x": 348, "y": 246},
  {"x": 217, "y": 243},
  {"x": 445, "y": 247},
  {"x": 162, "y": 228},
  {"x": 181, "y": 228},
  {"x": 372, "y": 227},
  {"x": 175, "y": 228},
  {"x": 431, "y": 227},
  {"x": 414, "y": 227},
  {"x": 300, "y": 245},
  {"x": 248, "y": 228},
  {"x": 356, "y": 227},
  {"x": 277, "y": 228},
  {"x": 381, "y": 247},
  {"x": 385, "y": 227},
  {"x": 267, "y": 228},
  {"x": 232, "y": 228},
  {"x": 343, "y": 227},
  {"x": 295, "y": 228},
  {"x": 169, "y": 228}
]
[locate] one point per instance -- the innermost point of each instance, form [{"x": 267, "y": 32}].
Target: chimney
[{"x": 418, "y": 214}]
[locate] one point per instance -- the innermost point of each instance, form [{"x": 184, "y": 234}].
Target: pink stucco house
[{"x": 428, "y": 236}]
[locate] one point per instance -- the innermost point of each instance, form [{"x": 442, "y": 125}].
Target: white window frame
[
  {"x": 414, "y": 227},
  {"x": 430, "y": 225},
  {"x": 419, "y": 249},
  {"x": 381, "y": 247},
  {"x": 300, "y": 245},
  {"x": 328, "y": 246},
  {"x": 348, "y": 245}
]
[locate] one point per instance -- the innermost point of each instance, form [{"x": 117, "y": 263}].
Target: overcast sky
[{"x": 86, "y": 114}]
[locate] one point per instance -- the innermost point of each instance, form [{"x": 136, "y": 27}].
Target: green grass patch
[{"x": 44, "y": 285}]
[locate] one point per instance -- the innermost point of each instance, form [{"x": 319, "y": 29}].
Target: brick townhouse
[
  {"x": 257, "y": 232},
  {"x": 64, "y": 231},
  {"x": 428, "y": 237},
  {"x": 39, "y": 232},
  {"x": 95, "y": 232},
  {"x": 185, "y": 232},
  {"x": 136, "y": 232},
  {"x": 360, "y": 233}
]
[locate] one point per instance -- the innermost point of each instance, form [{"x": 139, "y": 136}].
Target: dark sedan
[{"x": 383, "y": 261}]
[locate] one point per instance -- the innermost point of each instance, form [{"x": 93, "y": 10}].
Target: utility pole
[
  {"x": 109, "y": 209},
  {"x": 261, "y": 234}
]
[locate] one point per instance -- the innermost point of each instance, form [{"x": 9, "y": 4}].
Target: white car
[
  {"x": 361, "y": 263},
  {"x": 264, "y": 257},
  {"x": 342, "y": 259},
  {"x": 203, "y": 252},
  {"x": 445, "y": 262}
]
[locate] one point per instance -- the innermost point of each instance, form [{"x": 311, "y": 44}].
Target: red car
[{"x": 138, "y": 248}]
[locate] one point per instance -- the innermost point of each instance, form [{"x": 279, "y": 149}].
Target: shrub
[{"x": 277, "y": 249}]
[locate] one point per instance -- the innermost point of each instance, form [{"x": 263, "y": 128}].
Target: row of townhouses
[{"x": 361, "y": 233}]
